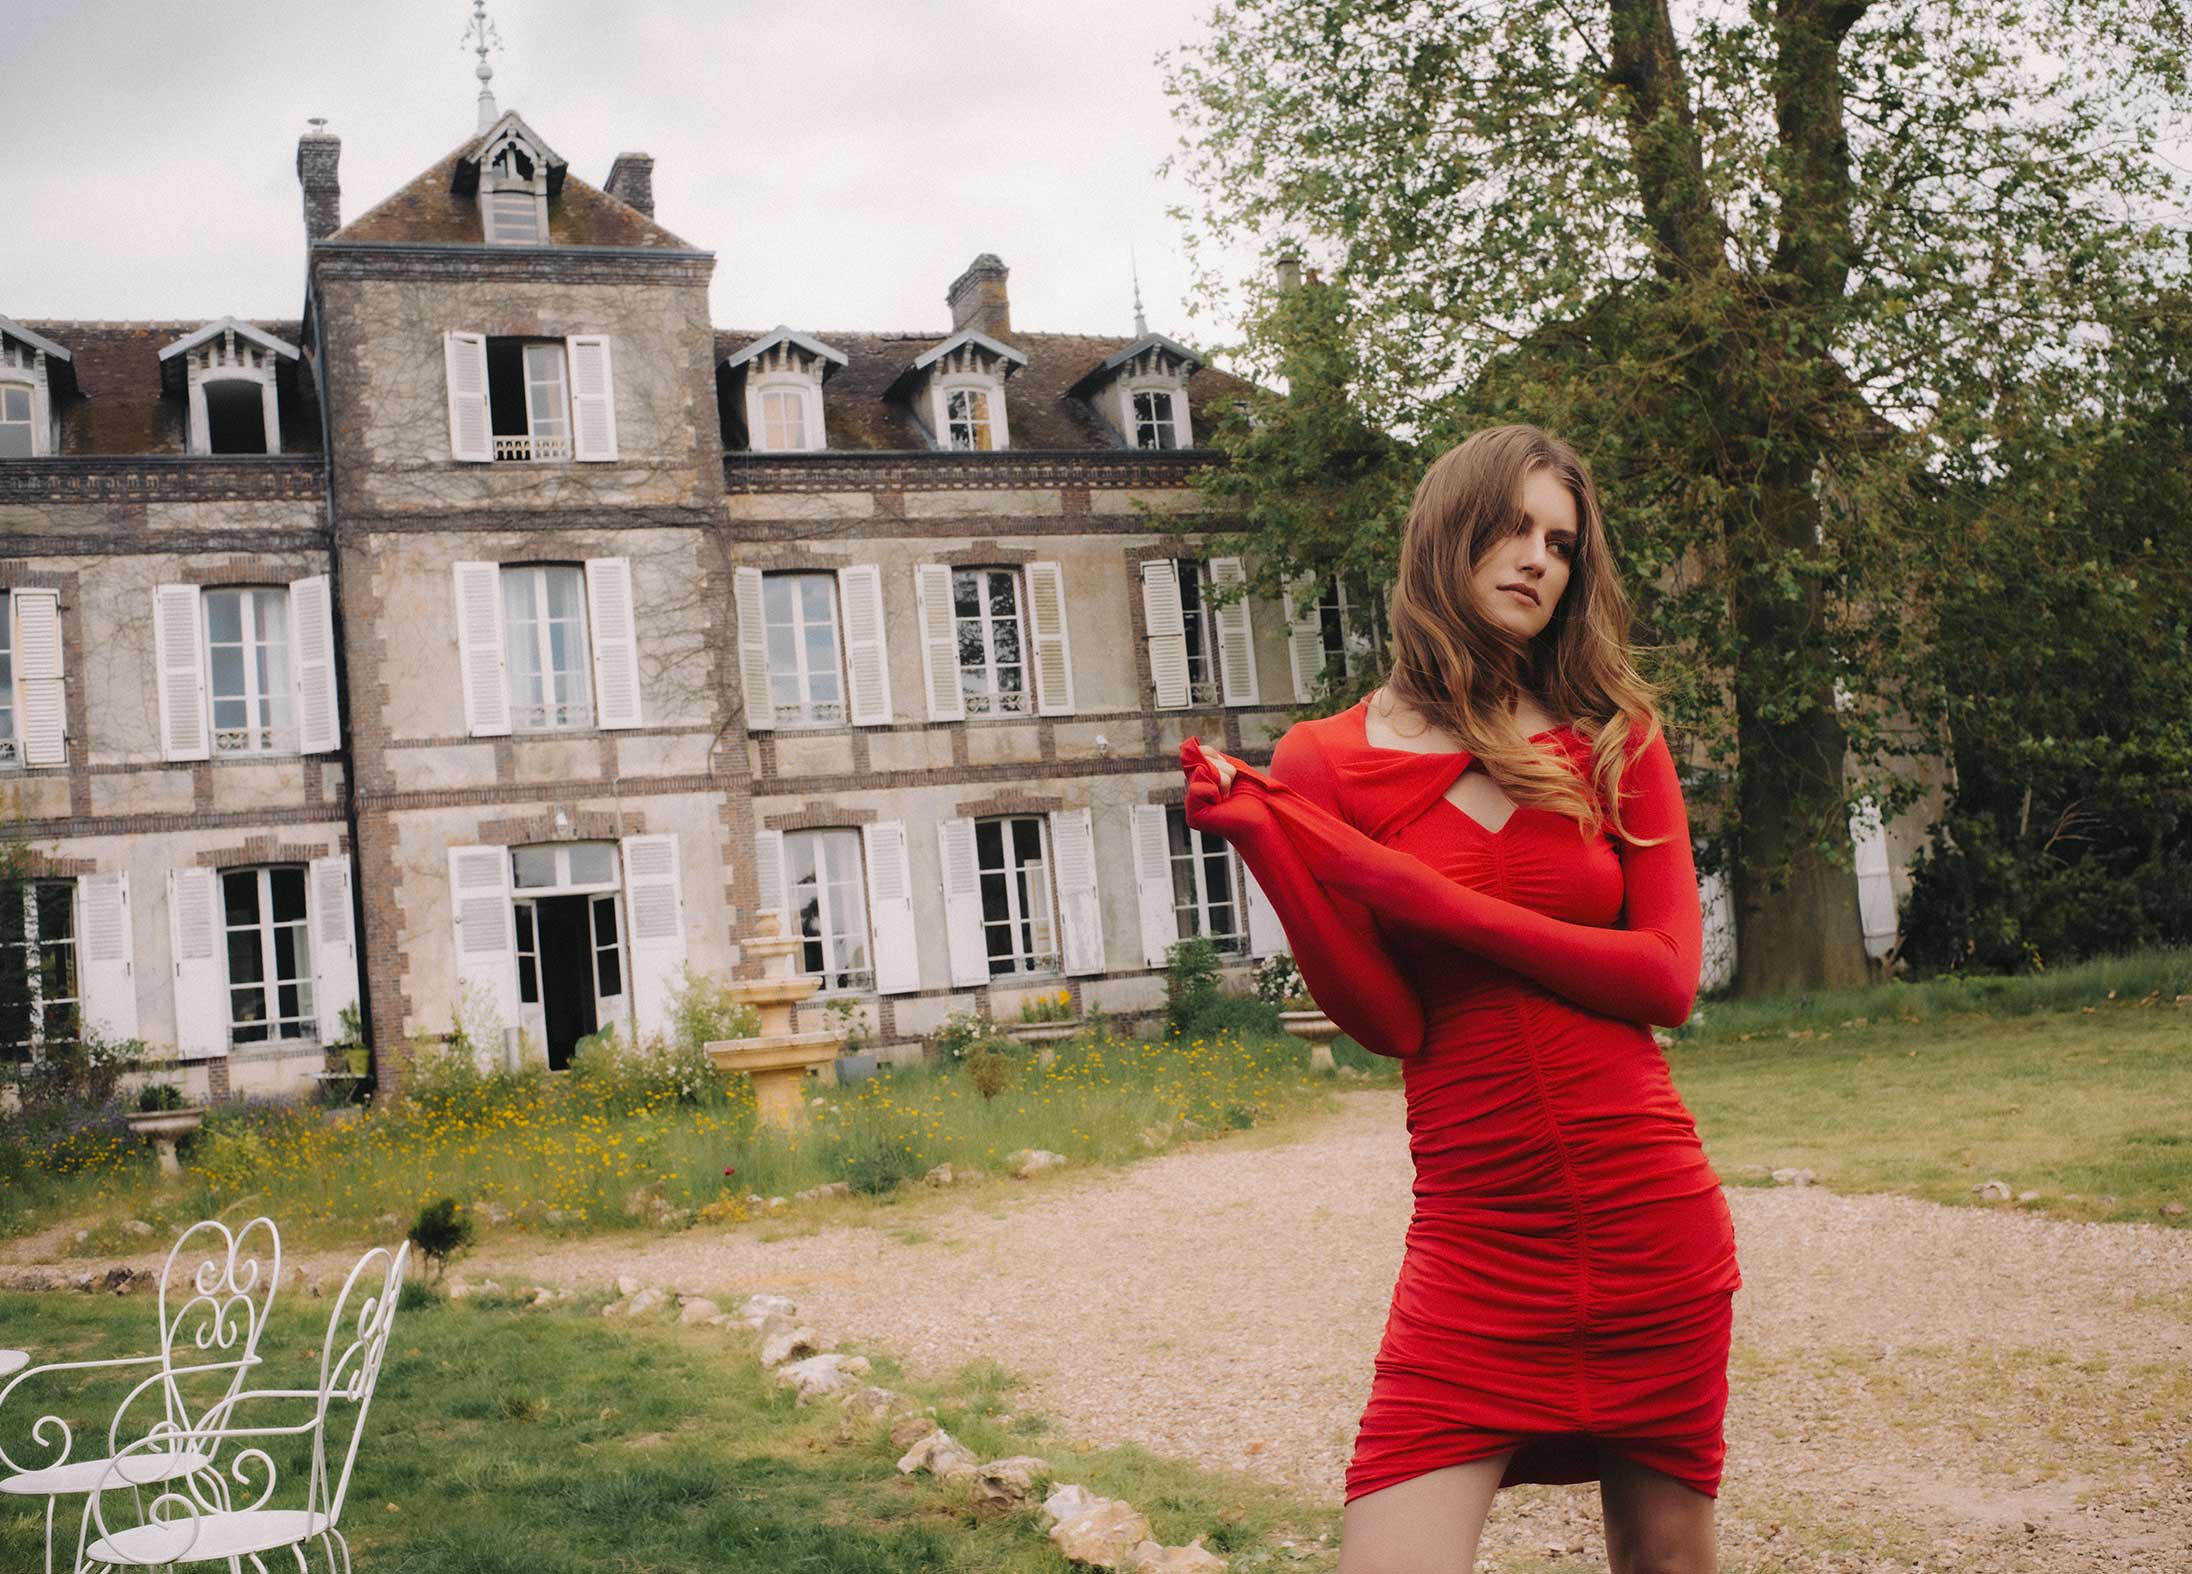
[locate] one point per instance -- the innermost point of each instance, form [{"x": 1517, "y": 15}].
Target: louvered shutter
[
  {"x": 480, "y": 650},
  {"x": 195, "y": 942},
  {"x": 1266, "y": 935},
  {"x": 1875, "y": 884},
  {"x": 1236, "y": 639},
  {"x": 654, "y": 905},
  {"x": 1080, "y": 910},
  {"x": 1053, "y": 652},
  {"x": 593, "y": 397},
  {"x": 1717, "y": 905},
  {"x": 104, "y": 945},
  {"x": 753, "y": 649},
  {"x": 334, "y": 945},
  {"x": 769, "y": 876},
  {"x": 616, "y": 642},
  {"x": 1153, "y": 883},
  {"x": 471, "y": 432},
  {"x": 484, "y": 927},
  {"x": 1167, "y": 632},
  {"x": 939, "y": 642},
  {"x": 891, "y": 934},
  {"x": 962, "y": 903},
  {"x": 312, "y": 637},
  {"x": 41, "y": 709},
  {"x": 867, "y": 663},
  {"x": 179, "y": 651},
  {"x": 1304, "y": 637}
]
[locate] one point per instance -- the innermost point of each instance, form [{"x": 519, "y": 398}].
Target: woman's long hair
[{"x": 1462, "y": 672}]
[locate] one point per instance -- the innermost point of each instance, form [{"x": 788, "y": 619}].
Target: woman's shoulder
[{"x": 1304, "y": 755}]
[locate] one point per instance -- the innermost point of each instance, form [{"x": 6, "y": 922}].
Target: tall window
[
  {"x": 529, "y": 398},
  {"x": 1206, "y": 885},
  {"x": 966, "y": 419},
  {"x": 806, "y": 677},
  {"x": 11, "y": 751},
  {"x": 249, "y": 678},
  {"x": 235, "y": 409},
  {"x": 17, "y": 435},
  {"x": 1349, "y": 623},
  {"x": 512, "y": 217},
  {"x": 544, "y": 646},
  {"x": 827, "y": 889},
  {"x": 783, "y": 419},
  {"x": 1199, "y": 620},
  {"x": 39, "y": 994},
  {"x": 992, "y": 641},
  {"x": 1011, "y": 857},
  {"x": 269, "y": 954},
  {"x": 1154, "y": 426}
]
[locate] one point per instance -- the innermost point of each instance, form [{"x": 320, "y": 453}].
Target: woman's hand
[{"x": 1212, "y": 807}]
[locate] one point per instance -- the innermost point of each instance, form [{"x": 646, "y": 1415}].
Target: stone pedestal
[
  {"x": 164, "y": 1128},
  {"x": 780, "y": 1060},
  {"x": 1045, "y": 1036},
  {"x": 1316, "y": 1030}
]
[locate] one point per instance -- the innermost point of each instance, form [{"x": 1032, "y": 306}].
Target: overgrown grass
[
  {"x": 2076, "y": 1085},
  {"x": 522, "y": 1442}
]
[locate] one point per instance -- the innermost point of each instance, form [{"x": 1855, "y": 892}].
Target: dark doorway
[
  {"x": 235, "y": 417},
  {"x": 566, "y": 975}
]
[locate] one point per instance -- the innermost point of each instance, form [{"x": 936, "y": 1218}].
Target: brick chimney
[
  {"x": 632, "y": 181},
  {"x": 318, "y": 151},
  {"x": 978, "y": 300}
]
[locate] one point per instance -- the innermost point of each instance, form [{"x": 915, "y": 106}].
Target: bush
[
  {"x": 156, "y": 1096},
  {"x": 960, "y": 1032},
  {"x": 439, "y": 1232},
  {"x": 1276, "y": 981},
  {"x": 989, "y": 1068},
  {"x": 702, "y": 1012},
  {"x": 83, "y": 1071},
  {"x": 1191, "y": 983},
  {"x": 1048, "y": 1008},
  {"x": 873, "y": 1161}
]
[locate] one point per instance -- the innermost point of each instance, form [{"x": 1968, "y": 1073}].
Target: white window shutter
[
  {"x": 616, "y": 642},
  {"x": 891, "y": 933},
  {"x": 1304, "y": 637},
  {"x": 334, "y": 945},
  {"x": 103, "y": 952},
  {"x": 1875, "y": 882},
  {"x": 196, "y": 943},
  {"x": 769, "y": 877},
  {"x": 483, "y": 922},
  {"x": 471, "y": 432},
  {"x": 480, "y": 651},
  {"x": 962, "y": 902},
  {"x": 1266, "y": 935},
  {"x": 1717, "y": 903},
  {"x": 1153, "y": 883},
  {"x": 654, "y": 922},
  {"x": 1053, "y": 653},
  {"x": 1236, "y": 640},
  {"x": 312, "y": 637},
  {"x": 753, "y": 649},
  {"x": 593, "y": 397},
  {"x": 178, "y": 640},
  {"x": 939, "y": 642},
  {"x": 860, "y": 592},
  {"x": 41, "y": 710},
  {"x": 1167, "y": 632},
  {"x": 1080, "y": 911}
]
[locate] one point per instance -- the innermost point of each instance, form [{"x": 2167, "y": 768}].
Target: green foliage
[
  {"x": 1276, "y": 981},
  {"x": 1191, "y": 983},
  {"x": 1056, "y": 1007},
  {"x": 441, "y": 1230},
  {"x": 702, "y": 1012},
  {"x": 79, "y": 1072},
  {"x": 989, "y": 1068},
  {"x": 156, "y": 1096},
  {"x": 959, "y": 1032}
]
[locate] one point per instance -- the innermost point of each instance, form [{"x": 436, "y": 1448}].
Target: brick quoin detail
[
  {"x": 266, "y": 850},
  {"x": 583, "y": 825},
  {"x": 1010, "y": 801},
  {"x": 814, "y": 816},
  {"x": 258, "y": 570},
  {"x": 39, "y": 864}
]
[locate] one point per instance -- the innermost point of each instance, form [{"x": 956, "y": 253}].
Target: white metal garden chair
[
  {"x": 226, "y": 1515},
  {"x": 216, "y": 1290}
]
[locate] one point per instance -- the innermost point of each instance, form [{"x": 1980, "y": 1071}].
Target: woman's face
[{"x": 1519, "y": 580}]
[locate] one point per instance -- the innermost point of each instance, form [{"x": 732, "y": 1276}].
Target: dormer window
[
  {"x": 229, "y": 373},
  {"x": 512, "y": 174},
  {"x": 1142, "y": 392},
  {"x": 29, "y": 363},
  {"x": 513, "y": 216},
  {"x": 18, "y": 432},
  {"x": 957, "y": 391},
  {"x": 967, "y": 421},
  {"x": 1154, "y": 425},
  {"x": 781, "y": 374}
]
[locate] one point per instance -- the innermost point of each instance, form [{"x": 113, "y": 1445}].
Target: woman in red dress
[{"x": 1484, "y": 870}]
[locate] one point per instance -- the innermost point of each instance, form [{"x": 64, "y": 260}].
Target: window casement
[
  {"x": 994, "y": 641},
  {"x": 776, "y": 381},
  {"x": 1190, "y": 884},
  {"x": 1140, "y": 390},
  {"x": 547, "y": 647},
  {"x": 261, "y": 953},
  {"x": 267, "y": 942},
  {"x": 229, "y": 375},
  {"x": 246, "y": 670},
  {"x": 1200, "y": 652},
  {"x": 811, "y": 647},
  {"x": 971, "y": 415},
  {"x": 20, "y": 437},
  {"x": 33, "y": 708},
  {"x": 1330, "y": 628},
  {"x": 1020, "y": 895},
  {"x": 40, "y": 990},
  {"x": 957, "y": 391},
  {"x": 31, "y": 366},
  {"x": 530, "y": 401},
  {"x": 1154, "y": 415},
  {"x": 783, "y": 426},
  {"x": 847, "y": 895}
]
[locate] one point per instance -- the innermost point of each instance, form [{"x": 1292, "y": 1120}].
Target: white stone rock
[
  {"x": 644, "y": 1302},
  {"x": 2028, "y": 1196},
  {"x": 940, "y": 1455},
  {"x": 1007, "y": 1483},
  {"x": 1036, "y": 1160},
  {"x": 818, "y": 1375},
  {"x": 1152, "y": 1558},
  {"x": 942, "y": 1175},
  {"x": 1992, "y": 1191},
  {"x": 1067, "y": 1500},
  {"x": 1104, "y": 1536},
  {"x": 1794, "y": 1178},
  {"x": 627, "y": 1286},
  {"x": 871, "y": 1403},
  {"x": 698, "y": 1309},
  {"x": 136, "y": 1227},
  {"x": 756, "y": 1309},
  {"x": 818, "y": 1193},
  {"x": 789, "y": 1344}
]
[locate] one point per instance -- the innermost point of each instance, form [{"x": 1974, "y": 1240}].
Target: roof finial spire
[
  {"x": 1141, "y": 323},
  {"x": 479, "y": 37}
]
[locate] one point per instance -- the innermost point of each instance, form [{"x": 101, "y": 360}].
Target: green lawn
[{"x": 521, "y": 1442}]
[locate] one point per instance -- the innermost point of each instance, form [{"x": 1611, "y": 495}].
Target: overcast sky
[{"x": 844, "y": 159}]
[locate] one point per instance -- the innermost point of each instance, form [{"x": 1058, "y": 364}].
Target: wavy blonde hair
[{"x": 1463, "y": 672}]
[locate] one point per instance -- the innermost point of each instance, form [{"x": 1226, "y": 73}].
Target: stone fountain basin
[
  {"x": 166, "y": 1122},
  {"x": 772, "y": 991},
  {"x": 777, "y": 1051}
]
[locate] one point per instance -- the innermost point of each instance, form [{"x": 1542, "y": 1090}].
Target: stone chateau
[{"x": 491, "y": 644}]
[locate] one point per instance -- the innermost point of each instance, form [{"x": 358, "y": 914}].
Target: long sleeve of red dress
[{"x": 1336, "y": 878}]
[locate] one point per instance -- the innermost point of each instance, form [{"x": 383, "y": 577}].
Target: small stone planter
[
  {"x": 1045, "y": 1036},
  {"x": 1316, "y": 1030},
  {"x": 163, "y": 1128}
]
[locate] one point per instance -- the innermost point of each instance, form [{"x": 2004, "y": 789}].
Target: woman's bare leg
[
  {"x": 1654, "y": 1523},
  {"x": 1428, "y": 1524}
]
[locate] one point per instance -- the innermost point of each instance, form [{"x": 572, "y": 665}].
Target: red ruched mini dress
[{"x": 1569, "y": 1272}]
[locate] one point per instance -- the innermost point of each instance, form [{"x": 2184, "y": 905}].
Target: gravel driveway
[{"x": 1912, "y": 1385}]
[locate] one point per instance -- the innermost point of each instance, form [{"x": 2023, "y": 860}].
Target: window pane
[
  {"x": 776, "y": 598},
  {"x": 966, "y": 592},
  {"x": 814, "y": 598},
  {"x": 246, "y": 964},
  {"x": 821, "y": 648},
  {"x": 566, "y": 591},
  {"x": 15, "y": 403},
  {"x": 288, "y": 890},
  {"x": 240, "y": 896},
  {"x": 224, "y": 615},
  {"x": 533, "y": 866},
  {"x": 593, "y": 863}
]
